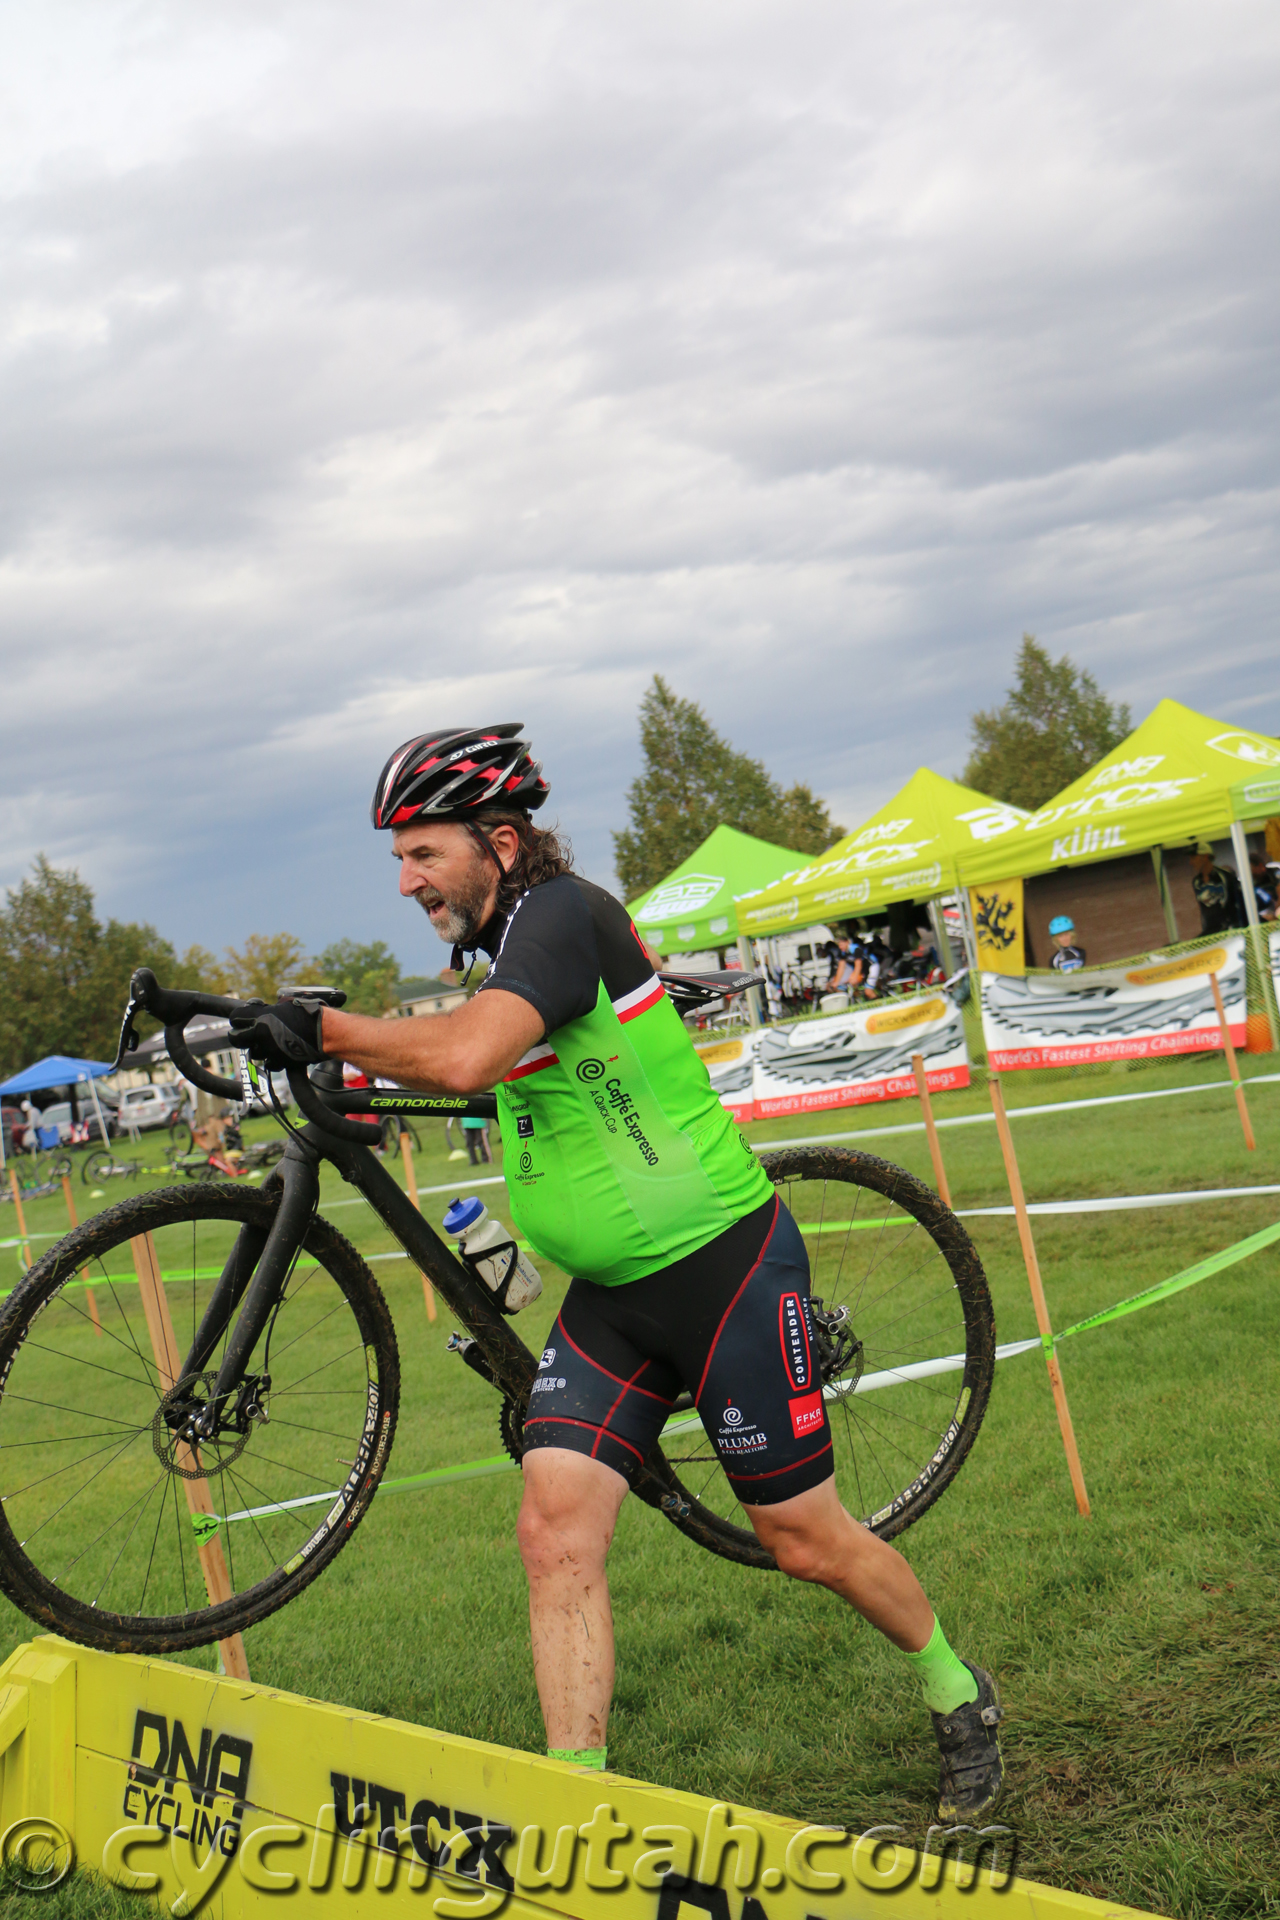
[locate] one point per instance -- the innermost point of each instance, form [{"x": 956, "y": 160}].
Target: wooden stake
[
  {"x": 17, "y": 1208},
  {"x": 1038, "y": 1299},
  {"x": 411, "y": 1182},
  {"x": 1232, "y": 1068},
  {"x": 84, "y": 1271},
  {"x": 931, "y": 1131},
  {"x": 213, "y": 1565}
]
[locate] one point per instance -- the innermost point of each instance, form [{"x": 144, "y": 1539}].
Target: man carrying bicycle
[{"x": 625, "y": 1169}]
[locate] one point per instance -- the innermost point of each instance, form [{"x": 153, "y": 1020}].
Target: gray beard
[{"x": 466, "y": 908}]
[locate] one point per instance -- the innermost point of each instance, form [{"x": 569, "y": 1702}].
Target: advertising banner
[
  {"x": 731, "y": 1065},
  {"x": 842, "y": 1060},
  {"x": 1164, "y": 1006}
]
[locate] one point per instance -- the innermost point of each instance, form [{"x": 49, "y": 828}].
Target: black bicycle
[{"x": 120, "y": 1477}]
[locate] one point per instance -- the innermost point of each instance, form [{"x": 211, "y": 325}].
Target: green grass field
[{"x": 1138, "y": 1652}]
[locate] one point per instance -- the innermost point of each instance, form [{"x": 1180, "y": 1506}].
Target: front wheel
[
  {"x": 109, "y": 1523},
  {"x": 907, "y": 1352},
  {"x": 98, "y": 1166}
]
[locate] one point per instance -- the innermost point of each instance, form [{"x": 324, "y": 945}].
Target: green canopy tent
[
  {"x": 909, "y": 850},
  {"x": 693, "y": 908},
  {"x": 1180, "y": 776}
]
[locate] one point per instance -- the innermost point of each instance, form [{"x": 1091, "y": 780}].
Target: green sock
[
  {"x": 582, "y": 1756},
  {"x": 944, "y": 1679}
]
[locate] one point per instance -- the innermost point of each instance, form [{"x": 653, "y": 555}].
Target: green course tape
[
  {"x": 1188, "y": 1278},
  {"x": 851, "y": 1226}
]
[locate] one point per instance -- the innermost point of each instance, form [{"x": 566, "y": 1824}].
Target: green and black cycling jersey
[{"x": 619, "y": 1157}]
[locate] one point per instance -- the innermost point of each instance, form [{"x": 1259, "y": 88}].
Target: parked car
[
  {"x": 62, "y": 1115},
  {"x": 144, "y": 1107}
]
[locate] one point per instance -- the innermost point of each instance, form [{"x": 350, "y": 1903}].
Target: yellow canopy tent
[
  {"x": 909, "y": 850},
  {"x": 1180, "y": 776}
]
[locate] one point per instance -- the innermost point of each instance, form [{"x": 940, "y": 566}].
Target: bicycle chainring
[{"x": 511, "y": 1426}]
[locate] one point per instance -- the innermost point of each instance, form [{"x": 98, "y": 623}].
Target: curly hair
[{"x": 544, "y": 854}]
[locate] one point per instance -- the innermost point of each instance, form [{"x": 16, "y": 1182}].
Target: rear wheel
[
  {"x": 901, "y": 1305},
  {"x": 97, "y": 1167},
  {"x": 101, "y": 1528}
]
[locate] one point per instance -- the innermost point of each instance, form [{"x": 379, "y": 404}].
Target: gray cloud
[{"x": 362, "y": 371}]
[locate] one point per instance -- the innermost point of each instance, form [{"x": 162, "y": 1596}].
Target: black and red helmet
[{"x": 455, "y": 774}]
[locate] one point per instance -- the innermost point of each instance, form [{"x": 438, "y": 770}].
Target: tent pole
[
  {"x": 941, "y": 937},
  {"x": 1166, "y": 897},
  {"x": 1255, "y": 935},
  {"x": 966, "y": 929},
  {"x": 93, "y": 1095},
  {"x": 749, "y": 966}
]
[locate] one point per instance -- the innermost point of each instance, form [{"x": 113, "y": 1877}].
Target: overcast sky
[{"x": 367, "y": 369}]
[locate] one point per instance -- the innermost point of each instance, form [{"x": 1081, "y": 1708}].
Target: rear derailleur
[{"x": 840, "y": 1355}]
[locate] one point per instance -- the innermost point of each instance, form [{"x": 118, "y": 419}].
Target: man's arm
[{"x": 466, "y": 1051}]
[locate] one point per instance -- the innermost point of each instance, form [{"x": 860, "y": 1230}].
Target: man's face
[
  {"x": 450, "y": 876},
  {"x": 1064, "y": 939},
  {"x": 1201, "y": 863}
]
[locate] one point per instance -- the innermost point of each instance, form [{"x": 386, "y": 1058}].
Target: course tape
[
  {"x": 869, "y": 1383},
  {"x": 1242, "y": 1250},
  {"x": 1119, "y": 1203}
]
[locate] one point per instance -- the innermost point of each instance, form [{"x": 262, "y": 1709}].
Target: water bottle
[{"x": 489, "y": 1250}]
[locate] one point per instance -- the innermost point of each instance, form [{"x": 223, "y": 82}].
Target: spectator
[
  {"x": 1265, "y": 887},
  {"x": 848, "y": 964},
  {"x": 1067, "y": 956},
  {"x": 477, "y": 1137},
  {"x": 1217, "y": 891}
]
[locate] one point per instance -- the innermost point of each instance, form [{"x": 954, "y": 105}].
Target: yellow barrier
[{"x": 192, "y": 1789}]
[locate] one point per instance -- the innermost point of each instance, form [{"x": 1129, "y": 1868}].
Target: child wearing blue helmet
[{"x": 1067, "y": 957}]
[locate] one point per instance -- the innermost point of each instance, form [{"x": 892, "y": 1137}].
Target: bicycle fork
[{"x": 255, "y": 1273}]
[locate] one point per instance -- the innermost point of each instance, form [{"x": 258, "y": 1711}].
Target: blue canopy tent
[{"x": 58, "y": 1070}]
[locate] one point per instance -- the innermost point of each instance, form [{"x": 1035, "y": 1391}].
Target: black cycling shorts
[{"x": 731, "y": 1323}]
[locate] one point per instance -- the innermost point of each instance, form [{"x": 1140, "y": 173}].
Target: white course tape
[
  {"x": 872, "y": 1382},
  {"x": 1120, "y": 1203}
]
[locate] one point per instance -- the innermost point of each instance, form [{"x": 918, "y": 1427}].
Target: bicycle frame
[
  {"x": 254, "y": 1276},
  {"x": 258, "y": 1267}
]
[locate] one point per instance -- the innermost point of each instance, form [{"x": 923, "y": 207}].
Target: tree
[
  {"x": 369, "y": 974},
  {"x": 64, "y": 978},
  {"x": 267, "y": 963},
  {"x": 1054, "y": 725},
  {"x": 693, "y": 781}
]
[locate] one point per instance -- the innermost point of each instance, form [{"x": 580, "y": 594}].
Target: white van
[{"x": 143, "y": 1107}]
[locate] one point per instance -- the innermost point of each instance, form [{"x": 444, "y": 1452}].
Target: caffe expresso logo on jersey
[
  {"x": 793, "y": 1332},
  {"x": 738, "y": 1434}
]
